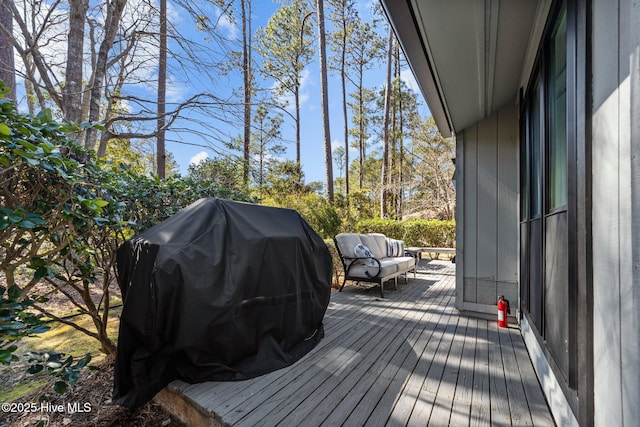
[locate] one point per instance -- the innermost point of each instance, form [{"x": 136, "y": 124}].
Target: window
[
  {"x": 557, "y": 115},
  {"x": 534, "y": 146}
]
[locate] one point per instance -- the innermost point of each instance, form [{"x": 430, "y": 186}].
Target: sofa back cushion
[
  {"x": 377, "y": 244},
  {"x": 347, "y": 242}
]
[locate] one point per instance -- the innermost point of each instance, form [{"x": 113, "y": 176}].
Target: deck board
[{"x": 407, "y": 359}]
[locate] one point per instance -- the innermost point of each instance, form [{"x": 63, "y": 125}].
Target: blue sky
[
  {"x": 312, "y": 151},
  {"x": 183, "y": 84}
]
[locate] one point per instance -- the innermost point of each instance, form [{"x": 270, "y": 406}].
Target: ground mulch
[{"x": 92, "y": 396}]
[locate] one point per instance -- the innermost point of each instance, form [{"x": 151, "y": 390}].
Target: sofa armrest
[{"x": 350, "y": 262}]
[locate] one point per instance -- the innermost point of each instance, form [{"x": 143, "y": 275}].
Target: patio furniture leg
[
  {"x": 381, "y": 291},
  {"x": 343, "y": 283}
]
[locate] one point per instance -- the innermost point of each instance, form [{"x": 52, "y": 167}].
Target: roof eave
[{"x": 399, "y": 13}]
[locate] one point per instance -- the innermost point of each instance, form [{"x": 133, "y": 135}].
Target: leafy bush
[
  {"x": 315, "y": 209},
  {"x": 338, "y": 271},
  {"x": 17, "y": 322},
  {"x": 429, "y": 233},
  {"x": 388, "y": 227}
]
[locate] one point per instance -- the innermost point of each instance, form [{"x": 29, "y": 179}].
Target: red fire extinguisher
[{"x": 503, "y": 312}]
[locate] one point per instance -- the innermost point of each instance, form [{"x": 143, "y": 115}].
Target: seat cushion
[
  {"x": 405, "y": 263},
  {"x": 389, "y": 267}
]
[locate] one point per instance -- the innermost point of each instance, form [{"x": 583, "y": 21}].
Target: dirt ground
[{"x": 88, "y": 403}]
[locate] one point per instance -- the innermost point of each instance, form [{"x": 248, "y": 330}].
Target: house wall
[
  {"x": 616, "y": 211},
  {"x": 487, "y": 213}
]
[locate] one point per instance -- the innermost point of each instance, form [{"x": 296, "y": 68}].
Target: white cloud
[
  {"x": 225, "y": 22},
  {"x": 407, "y": 76},
  {"x": 199, "y": 158},
  {"x": 340, "y": 144},
  {"x": 287, "y": 98}
]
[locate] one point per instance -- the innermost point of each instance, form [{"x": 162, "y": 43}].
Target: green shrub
[
  {"x": 338, "y": 271},
  {"x": 429, "y": 233},
  {"x": 315, "y": 209},
  {"x": 388, "y": 227}
]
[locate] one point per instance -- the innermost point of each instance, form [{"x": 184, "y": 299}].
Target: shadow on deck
[{"x": 407, "y": 359}]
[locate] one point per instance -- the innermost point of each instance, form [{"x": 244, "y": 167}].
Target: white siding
[
  {"x": 616, "y": 211},
  {"x": 487, "y": 203}
]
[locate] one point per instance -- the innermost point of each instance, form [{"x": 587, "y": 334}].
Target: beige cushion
[
  {"x": 346, "y": 242},
  {"x": 377, "y": 244},
  {"x": 405, "y": 263},
  {"x": 389, "y": 266}
]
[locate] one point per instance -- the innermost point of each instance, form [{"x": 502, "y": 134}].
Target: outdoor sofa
[{"x": 373, "y": 258}]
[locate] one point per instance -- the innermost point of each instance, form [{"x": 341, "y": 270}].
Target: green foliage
[
  {"x": 17, "y": 322},
  {"x": 337, "y": 263},
  {"x": 315, "y": 209},
  {"x": 286, "y": 45},
  {"x": 121, "y": 151},
  {"x": 355, "y": 208},
  {"x": 218, "y": 172},
  {"x": 284, "y": 179},
  {"x": 429, "y": 233},
  {"x": 66, "y": 369}
]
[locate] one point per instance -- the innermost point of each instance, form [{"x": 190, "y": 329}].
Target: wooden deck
[{"x": 409, "y": 359}]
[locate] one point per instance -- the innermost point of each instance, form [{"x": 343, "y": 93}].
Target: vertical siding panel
[
  {"x": 605, "y": 224},
  {"x": 487, "y": 209},
  {"x": 470, "y": 213},
  {"x": 629, "y": 79},
  {"x": 507, "y": 259},
  {"x": 461, "y": 207}
]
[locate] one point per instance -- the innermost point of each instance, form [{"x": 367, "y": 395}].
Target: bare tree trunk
[
  {"x": 112, "y": 21},
  {"x": 296, "y": 95},
  {"x": 246, "y": 72},
  {"x": 385, "y": 132},
  {"x": 326, "y": 130},
  {"x": 7, "y": 66},
  {"x": 361, "y": 139},
  {"x": 161, "y": 157},
  {"x": 33, "y": 56},
  {"x": 344, "y": 110},
  {"x": 72, "y": 91},
  {"x": 400, "y": 153},
  {"x": 86, "y": 96}
]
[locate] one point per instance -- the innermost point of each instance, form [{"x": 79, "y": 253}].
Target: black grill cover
[{"x": 220, "y": 291}]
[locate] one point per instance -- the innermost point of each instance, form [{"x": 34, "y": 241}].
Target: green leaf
[
  {"x": 39, "y": 329},
  {"x": 42, "y": 272},
  {"x": 27, "y": 224},
  {"x": 14, "y": 292},
  {"x": 60, "y": 387},
  {"x": 101, "y": 203},
  {"x": 34, "y": 369},
  {"x": 4, "y": 130},
  {"x": 7, "y": 356},
  {"x": 28, "y": 145}
]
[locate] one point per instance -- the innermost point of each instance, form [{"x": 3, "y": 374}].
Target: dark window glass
[
  {"x": 557, "y": 95},
  {"x": 534, "y": 147},
  {"x": 524, "y": 169}
]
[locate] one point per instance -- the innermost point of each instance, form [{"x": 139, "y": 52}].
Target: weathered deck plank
[{"x": 409, "y": 359}]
